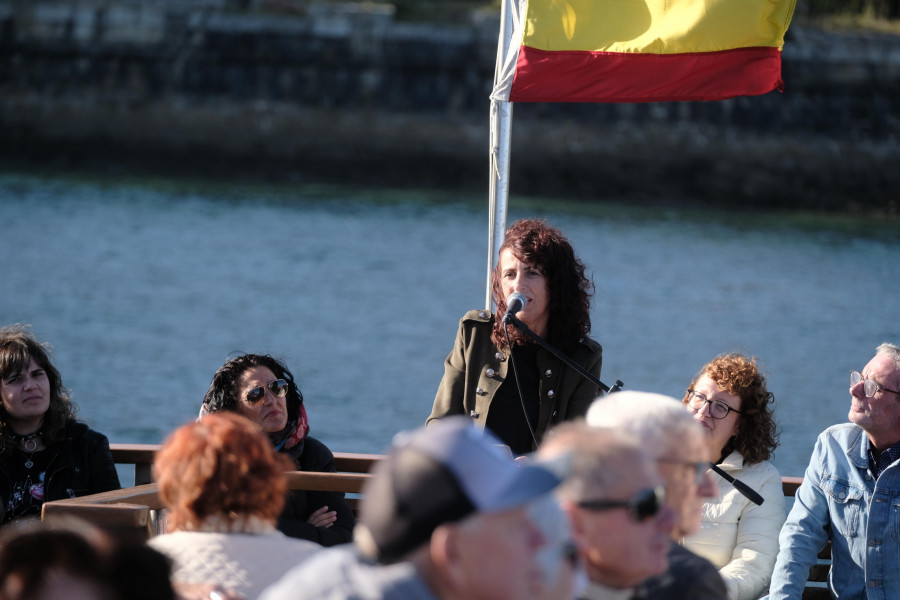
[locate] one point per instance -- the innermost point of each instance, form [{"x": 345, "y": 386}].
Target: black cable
[{"x": 519, "y": 387}]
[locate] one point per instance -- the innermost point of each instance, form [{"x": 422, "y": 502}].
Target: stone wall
[{"x": 314, "y": 88}]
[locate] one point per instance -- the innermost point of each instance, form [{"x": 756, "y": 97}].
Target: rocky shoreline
[{"x": 359, "y": 98}]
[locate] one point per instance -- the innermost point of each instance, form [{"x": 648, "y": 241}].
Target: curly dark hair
[
  {"x": 545, "y": 247},
  {"x": 223, "y": 391},
  {"x": 757, "y": 436},
  {"x": 18, "y": 347}
]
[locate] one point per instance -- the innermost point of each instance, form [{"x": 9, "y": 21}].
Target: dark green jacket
[{"x": 475, "y": 369}]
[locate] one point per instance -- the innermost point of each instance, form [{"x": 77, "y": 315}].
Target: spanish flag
[{"x": 644, "y": 50}]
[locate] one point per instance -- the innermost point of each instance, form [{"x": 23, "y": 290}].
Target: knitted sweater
[{"x": 245, "y": 562}]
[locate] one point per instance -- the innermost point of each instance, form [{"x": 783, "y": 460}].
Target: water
[{"x": 144, "y": 290}]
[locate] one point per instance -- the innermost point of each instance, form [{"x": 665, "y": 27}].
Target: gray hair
[
  {"x": 891, "y": 350},
  {"x": 662, "y": 423},
  {"x": 599, "y": 457}
]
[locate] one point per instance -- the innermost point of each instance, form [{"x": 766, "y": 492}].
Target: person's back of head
[
  {"x": 450, "y": 500},
  {"x": 220, "y": 470},
  {"x": 51, "y": 563}
]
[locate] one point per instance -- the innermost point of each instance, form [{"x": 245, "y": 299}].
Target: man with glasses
[
  {"x": 677, "y": 444},
  {"x": 850, "y": 495},
  {"x": 615, "y": 504}
]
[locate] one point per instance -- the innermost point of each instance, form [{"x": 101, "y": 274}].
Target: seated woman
[
  {"x": 45, "y": 454},
  {"x": 262, "y": 389},
  {"x": 537, "y": 261},
  {"x": 729, "y": 398},
  {"x": 224, "y": 488}
]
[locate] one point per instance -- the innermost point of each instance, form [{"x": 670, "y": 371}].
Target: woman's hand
[{"x": 323, "y": 517}]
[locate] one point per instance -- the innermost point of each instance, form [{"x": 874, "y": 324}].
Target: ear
[
  {"x": 575, "y": 519},
  {"x": 446, "y": 555}
]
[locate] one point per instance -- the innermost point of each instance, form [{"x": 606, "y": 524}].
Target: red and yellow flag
[{"x": 645, "y": 50}]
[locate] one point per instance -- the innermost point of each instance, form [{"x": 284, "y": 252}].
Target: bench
[{"x": 133, "y": 512}]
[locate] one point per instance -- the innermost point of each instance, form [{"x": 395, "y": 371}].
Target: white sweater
[
  {"x": 244, "y": 562},
  {"x": 737, "y": 536}
]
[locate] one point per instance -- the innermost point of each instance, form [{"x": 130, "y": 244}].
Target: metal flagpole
[{"x": 501, "y": 129}]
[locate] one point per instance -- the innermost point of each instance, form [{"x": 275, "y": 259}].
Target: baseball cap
[{"x": 439, "y": 475}]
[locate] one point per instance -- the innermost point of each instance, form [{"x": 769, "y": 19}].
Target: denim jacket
[{"x": 840, "y": 500}]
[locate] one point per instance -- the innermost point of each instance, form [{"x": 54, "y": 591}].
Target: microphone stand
[
  {"x": 739, "y": 485},
  {"x": 509, "y": 318}
]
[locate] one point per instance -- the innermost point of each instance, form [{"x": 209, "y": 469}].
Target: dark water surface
[{"x": 144, "y": 290}]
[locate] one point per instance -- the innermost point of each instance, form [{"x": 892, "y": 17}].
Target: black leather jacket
[
  {"x": 82, "y": 465},
  {"x": 312, "y": 455}
]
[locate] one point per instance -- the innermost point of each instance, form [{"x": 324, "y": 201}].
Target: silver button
[
  {"x": 480, "y": 391},
  {"x": 473, "y": 414},
  {"x": 548, "y": 372},
  {"x": 499, "y": 356},
  {"x": 490, "y": 372},
  {"x": 483, "y": 315},
  {"x": 551, "y": 393}
]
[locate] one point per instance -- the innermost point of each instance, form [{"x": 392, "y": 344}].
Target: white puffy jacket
[{"x": 737, "y": 536}]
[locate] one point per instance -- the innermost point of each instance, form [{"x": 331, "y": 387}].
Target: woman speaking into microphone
[{"x": 517, "y": 388}]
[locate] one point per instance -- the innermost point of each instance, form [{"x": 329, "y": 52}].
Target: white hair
[{"x": 662, "y": 423}]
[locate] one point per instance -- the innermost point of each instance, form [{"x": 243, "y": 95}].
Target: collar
[
  {"x": 881, "y": 461},
  {"x": 598, "y": 591},
  {"x": 243, "y": 524}
]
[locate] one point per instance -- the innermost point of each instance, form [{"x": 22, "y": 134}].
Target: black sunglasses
[
  {"x": 642, "y": 506},
  {"x": 279, "y": 388}
]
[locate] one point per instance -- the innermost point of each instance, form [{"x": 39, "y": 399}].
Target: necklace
[{"x": 28, "y": 442}]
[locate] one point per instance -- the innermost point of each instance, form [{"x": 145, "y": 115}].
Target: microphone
[
  {"x": 514, "y": 304},
  {"x": 739, "y": 485}
]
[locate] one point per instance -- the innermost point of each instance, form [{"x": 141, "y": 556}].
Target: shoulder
[
  {"x": 842, "y": 433},
  {"x": 694, "y": 567},
  {"x": 80, "y": 432},
  {"x": 475, "y": 318},
  {"x": 761, "y": 470},
  {"x": 315, "y": 456},
  {"x": 590, "y": 345},
  {"x": 326, "y": 574},
  {"x": 314, "y": 446}
]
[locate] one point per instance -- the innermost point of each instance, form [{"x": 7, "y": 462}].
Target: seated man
[
  {"x": 446, "y": 515},
  {"x": 850, "y": 494},
  {"x": 677, "y": 444},
  {"x": 614, "y": 501}
]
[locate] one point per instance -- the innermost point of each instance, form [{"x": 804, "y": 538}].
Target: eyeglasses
[
  {"x": 642, "y": 506},
  {"x": 570, "y": 554},
  {"x": 700, "y": 468},
  {"x": 279, "y": 388},
  {"x": 870, "y": 386},
  {"x": 717, "y": 409}
]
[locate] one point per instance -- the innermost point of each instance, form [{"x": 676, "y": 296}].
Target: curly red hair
[
  {"x": 757, "y": 436},
  {"x": 221, "y": 466}
]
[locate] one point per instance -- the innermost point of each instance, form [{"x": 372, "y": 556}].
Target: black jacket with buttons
[
  {"x": 475, "y": 369},
  {"x": 82, "y": 464}
]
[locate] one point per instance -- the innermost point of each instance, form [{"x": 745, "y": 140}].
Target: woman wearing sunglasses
[
  {"x": 730, "y": 400},
  {"x": 262, "y": 389}
]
